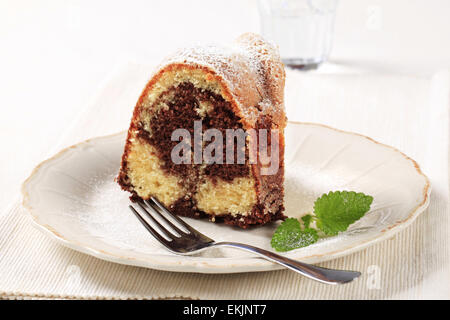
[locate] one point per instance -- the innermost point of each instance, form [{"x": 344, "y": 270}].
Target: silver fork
[{"x": 190, "y": 241}]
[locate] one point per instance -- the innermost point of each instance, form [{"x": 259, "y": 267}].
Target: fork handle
[{"x": 329, "y": 276}]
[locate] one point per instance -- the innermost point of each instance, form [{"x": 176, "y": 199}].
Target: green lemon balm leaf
[
  {"x": 307, "y": 220},
  {"x": 337, "y": 210},
  {"x": 289, "y": 236}
]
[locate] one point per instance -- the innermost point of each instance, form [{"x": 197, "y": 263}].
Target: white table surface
[{"x": 55, "y": 55}]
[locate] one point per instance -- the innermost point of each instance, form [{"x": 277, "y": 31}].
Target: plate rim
[{"x": 199, "y": 265}]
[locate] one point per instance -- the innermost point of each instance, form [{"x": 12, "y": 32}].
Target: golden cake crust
[{"x": 250, "y": 71}]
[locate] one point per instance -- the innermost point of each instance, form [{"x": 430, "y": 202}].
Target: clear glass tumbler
[{"x": 303, "y": 29}]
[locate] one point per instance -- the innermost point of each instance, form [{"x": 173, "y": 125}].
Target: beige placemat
[{"x": 409, "y": 113}]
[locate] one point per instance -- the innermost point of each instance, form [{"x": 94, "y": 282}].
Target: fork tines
[{"x": 155, "y": 211}]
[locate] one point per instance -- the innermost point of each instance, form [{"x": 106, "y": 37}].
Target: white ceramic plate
[{"x": 74, "y": 199}]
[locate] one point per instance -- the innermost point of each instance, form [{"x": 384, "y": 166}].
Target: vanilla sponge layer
[
  {"x": 214, "y": 198},
  {"x": 147, "y": 177}
]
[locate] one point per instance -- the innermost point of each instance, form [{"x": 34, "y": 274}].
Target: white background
[{"x": 54, "y": 55}]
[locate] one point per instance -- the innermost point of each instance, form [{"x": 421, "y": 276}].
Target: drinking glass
[{"x": 303, "y": 29}]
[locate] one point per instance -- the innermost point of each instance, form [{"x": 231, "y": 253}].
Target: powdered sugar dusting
[{"x": 251, "y": 70}]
